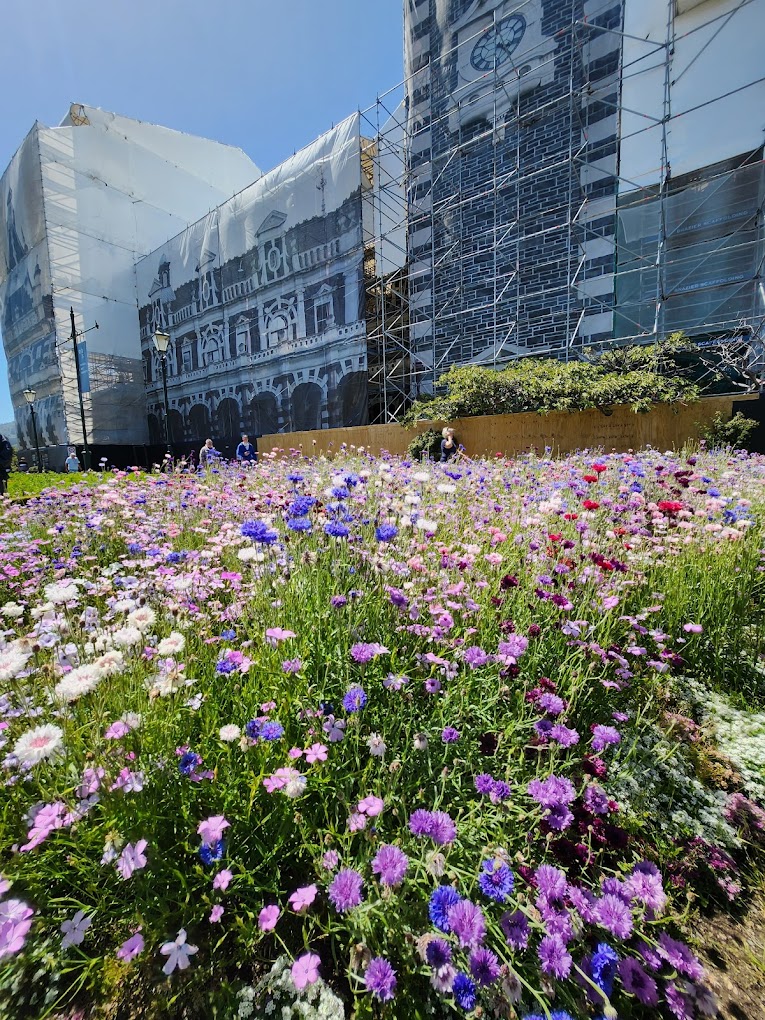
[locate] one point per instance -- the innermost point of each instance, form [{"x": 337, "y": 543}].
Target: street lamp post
[
  {"x": 162, "y": 342},
  {"x": 29, "y": 396},
  {"x": 75, "y": 343}
]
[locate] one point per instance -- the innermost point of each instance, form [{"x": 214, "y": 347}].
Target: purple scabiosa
[
  {"x": 484, "y": 783},
  {"x": 463, "y": 990},
  {"x": 449, "y": 735},
  {"x": 496, "y": 880},
  {"x": 467, "y": 923},
  {"x": 380, "y": 979},
  {"x": 551, "y": 703},
  {"x": 345, "y": 890},
  {"x": 564, "y": 735},
  {"x": 391, "y": 864},
  {"x": 475, "y": 657},
  {"x": 516, "y": 929},
  {"x": 554, "y": 957},
  {"x": 438, "y": 953},
  {"x": 637, "y": 982},
  {"x": 484, "y": 966},
  {"x": 603, "y": 967},
  {"x": 613, "y": 914},
  {"x": 679, "y": 956},
  {"x": 441, "y": 902},
  {"x": 603, "y": 736},
  {"x": 552, "y": 791},
  {"x": 355, "y": 699}
]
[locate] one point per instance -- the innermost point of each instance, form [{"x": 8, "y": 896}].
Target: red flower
[
  {"x": 570, "y": 517},
  {"x": 600, "y": 468},
  {"x": 590, "y": 504},
  {"x": 669, "y": 506},
  {"x": 590, "y": 478},
  {"x": 555, "y": 538}
]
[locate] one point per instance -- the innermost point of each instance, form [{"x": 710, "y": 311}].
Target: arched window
[{"x": 281, "y": 322}]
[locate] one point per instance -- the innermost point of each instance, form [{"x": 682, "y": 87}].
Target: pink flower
[
  {"x": 305, "y": 970},
  {"x": 211, "y": 830},
  {"x": 222, "y": 879},
  {"x": 216, "y": 913},
  {"x": 117, "y": 730},
  {"x": 276, "y": 634},
  {"x": 131, "y": 859},
  {"x": 295, "y": 752},
  {"x": 371, "y": 806},
  {"x": 131, "y": 947},
  {"x": 268, "y": 917},
  {"x": 692, "y": 628},
  {"x": 356, "y": 822},
  {"x": 316, "y": 752},
  {"x": 302, "y": 899}
]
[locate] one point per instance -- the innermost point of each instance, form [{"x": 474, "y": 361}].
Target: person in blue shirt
[
  {"x": 449, "y": 447},
  {"x": 245, "y": 452},
  {"x": 72, "y": 462}
]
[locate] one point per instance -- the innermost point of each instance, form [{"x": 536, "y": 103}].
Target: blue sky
[{"x": 265, "y": 75}]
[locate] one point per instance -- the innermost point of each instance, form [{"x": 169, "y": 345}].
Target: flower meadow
[{"x": 374, "y": 738}]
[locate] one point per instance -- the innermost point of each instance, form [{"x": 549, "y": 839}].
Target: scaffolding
[{"x": 518, "y": 231}]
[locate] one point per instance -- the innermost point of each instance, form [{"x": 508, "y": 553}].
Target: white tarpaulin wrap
[{"x": 263, "y": 301}]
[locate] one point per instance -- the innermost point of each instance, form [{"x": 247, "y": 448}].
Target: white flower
[
  {"x": 77, "y": 682},
  {"x": 38, "y": 743},
  {"x": 110, "y": 662},
  {"x": 376, "y": 745},
  {"x": 132, "y": 719},
  {"x": 61, "y": 592},
  {"x": 229, "y": 733},
  {"x": 421, "y": 476},
  {"x": 446, "y": 488},
  {"x": 12, "y": 662},
  {"x": 425, "y": 525},
  {"x": 12, "y": 610},
  {"x": 172, "y": 645},
  {"x": 125, "y": 637},
  {"x": 295, "y": 787},
  {"x": 177, "y": 953},
  {"x": 251, "y": 554},
  {"x": 74, "y": 930},
  {"x": 143, "y": 618},
  {"x": 420, "y": 741}
]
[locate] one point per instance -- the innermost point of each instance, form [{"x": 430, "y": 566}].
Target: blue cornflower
[
  {"x": 272, "y": 731},
  {"x": 496, "y": 880},
  {"x": 299, "y": 524},
  {"x": 225, "y": 666},
  {"x": 355, "y": 699},
  {"x": 254, "y": 728},
  {"x": 386, "y": 532},
  {"x": 258, "y": 531},
  {"x": 326, "y": 707},
  {"x": 300, "y": 506},
  {"x": 336, "y": 530},
  {"x": 228, "y": 635},
  {"x": 188, "y": 762},
  {"x": 212, "y": 852},
  {"x": 175, "y": 557},
  {"x": 133, "y": 548},
  {"x": 441, "y": 900},
  {"x": 463, "y": 991},
  {"x": 340, "y": 492},
  {"x": 295, "y": 477},
  {"x": 603, "y": 964},
  {"x": 352, "y": 480}
]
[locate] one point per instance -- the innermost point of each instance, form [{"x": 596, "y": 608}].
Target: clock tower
[{"x": 498, "y": 42}]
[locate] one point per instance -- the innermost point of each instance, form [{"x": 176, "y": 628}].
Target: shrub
[
  {"x": 732, "y": 432},
  {"x": 428, "y": 443}
]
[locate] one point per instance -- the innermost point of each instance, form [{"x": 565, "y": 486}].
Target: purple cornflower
[
  {"x": 602, "y": 736},
  {"x": 680, "y": 1004},
  {"x": 551, "y": 703},
  {"x": 438, "y": 952},
  {"x": 484, "y": 783},
  {"x": 391, "y": 864},
  {"x": 463, "y": 990},
  {"x": 345, "y": 890},
  {"x": 552, "y": 792},
  {"x": 645, "y": 884},
  {"x": 210, "y": 853},
  {"x": 253, "y": 728},
  {"x": 420, "y": 822},
  {"x": 449, "y": 735},
  {"x": 679, "y": 956},
  {"x": 596, "y": 800},
  {"x": 613, "y": 914},
  {"x": 500, "y": 791},
  {"x": 554, "y": 957},
  {"x": 442, "y": 828},
  {"x": 551, "y": 883},
  {"x": 475, "y": 657},
  {"x": 292, "y": 665},
  {"x": 484, "y": 966},
  {"x": 565, "y": 736},
  {"x": 337, "y": 601},
  {"x": 363, "y": 653},
  {"x": 558, "y": 818},
  {"x": 516, "y": 929},
  {"x": 441, "y": 902},
  {"x": 512, "y": 649},
  {"x": 637, "y": 982},
  {"x": 355, "y": 699},
  {"x": 496, "y": 880},
  {"x": 467, "y": 924},
  {"x": 380, "y": 979}
]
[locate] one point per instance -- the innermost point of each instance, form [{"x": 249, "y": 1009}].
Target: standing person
[
  {"x": 206, "y": 454},
  {"x": 245, "y": 452},
  {"x": 6, "y": 459},
  {"x": 72, "y": 462},
  {"x": 448, "y": 445}
]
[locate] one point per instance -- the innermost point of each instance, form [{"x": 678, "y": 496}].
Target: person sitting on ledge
[{"x": 245, "y": 452}]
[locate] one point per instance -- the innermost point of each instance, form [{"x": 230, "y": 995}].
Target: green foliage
[
  {"x": 639, "y": 377},
  {"x": 427, "y": 442},
  {"x": 728, "y": 432}
]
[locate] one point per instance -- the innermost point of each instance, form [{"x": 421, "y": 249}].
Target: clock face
[{"x": 498, "y": 44}]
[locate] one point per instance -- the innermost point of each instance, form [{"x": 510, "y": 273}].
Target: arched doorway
[
  {"x": 199, "y": 423},
  {"x": 175, "y": 421},
  {"x": 228, "y": 418},
  {"x": 155, "y": 430},
  {"x": 264, "y": 415},
  {"x": 305, "y": 407},
  {"x": 352, "y": 400}
]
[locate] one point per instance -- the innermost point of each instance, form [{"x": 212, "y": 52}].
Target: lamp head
[
  {"x": 161, "y": 342},
  {"x": 29, "y": 396}
]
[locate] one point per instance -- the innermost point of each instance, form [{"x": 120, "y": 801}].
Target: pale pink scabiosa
[{"x": 39, "y": 743}]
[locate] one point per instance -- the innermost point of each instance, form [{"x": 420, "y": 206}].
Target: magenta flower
[
  {"x": 380, "y": 979},
  {"x": 305, "y": 970},
  {"x": 302, "y": 898},
  {"x": 212, "y": 829},
  {"x": 391, "y": 864},
  {"x": 131, "y": 859},
  {"x": 131, "y": 947},
  {"x": 345, "y": 890},
  {"x": 371, "y": 806},
  {"x": 316, "y": 752},
  {"x": 216, "y": 914},
  {"x": 15, "y": 922},
  {"x": 222, "y": 880},
  {"x": 268, "y": 917}
]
